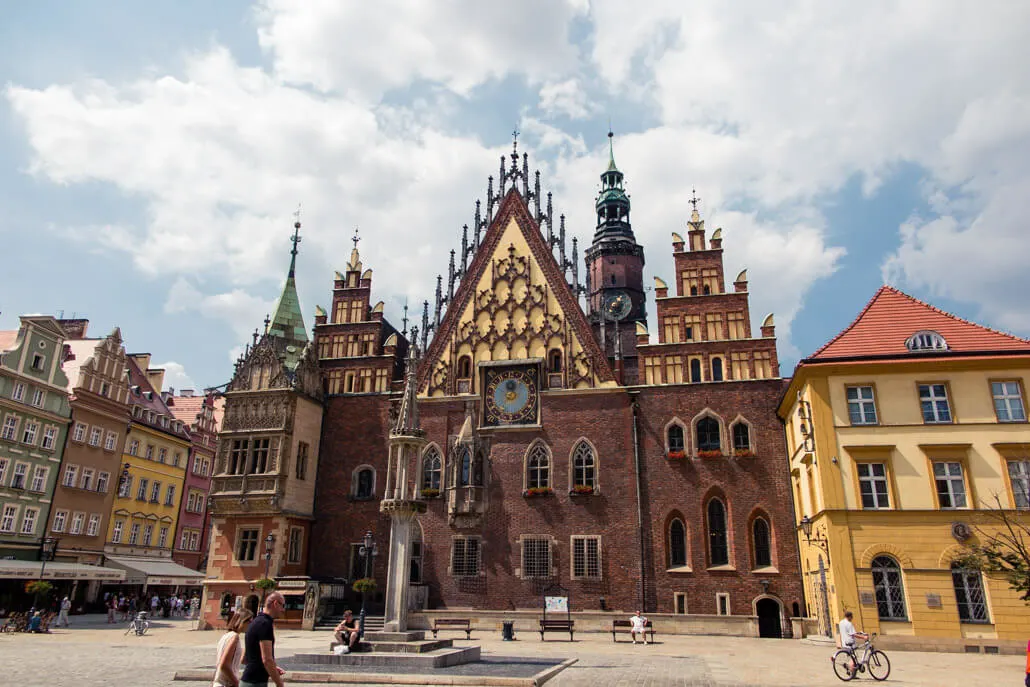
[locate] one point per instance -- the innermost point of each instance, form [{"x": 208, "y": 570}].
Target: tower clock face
[
  {"x": 617, "y": 306},
  {"x": 510, "y": 396}
]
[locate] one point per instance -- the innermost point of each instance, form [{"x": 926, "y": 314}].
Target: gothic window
[
  {"x": 538, "y": 467},
  {"x": 464, "y": 367},
  {"x": 554, "y": 360},
  {"x": 477, "y": 471},
  {"x": 415, "y": 577},
  {"x": 890, "y": 593},
  {"x": 695, "y": 370},
  {"x": 716, "y": 369},
  {"x": 259, "y": 456},
  {"x": 465, "y": 478},
  {"x": 675, "y": 435},
  {"x": 677, "y": 543},
  {"x": 707, "y": 289},
  {"x": 364, "y": 481},
  {"x": 761, "y": 542},
  {"x": 693, "y": 290},
  {"x": 718, "y": 542},
  {"x": 432, "y": 468},
  {"x": 741, "y": 437},
  {"x": 584, "y": 466},
  {"x": 708, "y": 438}
]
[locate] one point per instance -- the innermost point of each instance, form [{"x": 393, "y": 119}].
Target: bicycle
[
  {"x": 847, "y": 664},
  {"x": 139, "y": 624}
]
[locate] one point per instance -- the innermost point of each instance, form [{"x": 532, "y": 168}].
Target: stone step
[
  {"x": 437, "y": 658},
  {"x": 415, "y": 647},
  {"x": 409, "y": 636}
]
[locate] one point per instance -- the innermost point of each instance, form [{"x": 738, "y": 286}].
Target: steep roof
[
  {"x": 81, "y": 350},
  {"x": 892, "y": 316},
  {"x": 8, "y": 339},
  {"x": 142, "y": 393},
  {"x": 186, "y": 408},
  {"x": 288, "y": 322}
]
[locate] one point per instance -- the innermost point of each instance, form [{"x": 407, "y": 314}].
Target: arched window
[
  {"x": 716, "y": 369},
  {"x": 693, "y": 290},
  {"x": 890, "y": 594},
  {"x": 926, "y": 340},
  {"x": 554, "y": 360},
  {"x": 707, "y": 289},
  {"x": 432, "y": 467},
  {"x": 538, "y": 468},
  {"x": 584, "y": 466},
  {"x": 676, "y": 442},
  {"x": 364, "y": 483},
  {"x": 464, "y": 367},
  {"x": 465, "y": 478},
  {"x": 695, "y": 370},
  {"x": 718, "y": 542},
  {"x": 708, "y": 438},
  {"x": 969, "y": 595},
  {"x": 741, "y": 438},
  {"x": 762, "y": 543},
  {"x": 677, "y": 543}
]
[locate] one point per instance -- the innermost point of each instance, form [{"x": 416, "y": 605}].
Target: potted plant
[
  {"x": 676, "y": 455},
  {"x": 364, "y": 585},
  {"x": 265, "y": 584},
  {"x": 709, "y": 454},
  {"x": 743, "y": 453},
  {"x": 537, "y": 491},
  {"x": 430, "y": 493},
  {"x": 38, "y": 587},
  {"x": 582, "y": 490}
]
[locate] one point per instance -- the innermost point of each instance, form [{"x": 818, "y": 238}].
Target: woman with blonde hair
[{"x": 230, "y": 650}]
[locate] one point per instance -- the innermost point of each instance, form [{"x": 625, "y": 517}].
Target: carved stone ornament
[{"x": 961, "y": 531}]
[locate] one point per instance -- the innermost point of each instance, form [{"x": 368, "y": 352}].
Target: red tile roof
[
  {"x": 892, "y": 316},
  {"x": 186, "y": 408},
  {"x": 8, "y": 339},
  {"x": 141, "y": 393}
]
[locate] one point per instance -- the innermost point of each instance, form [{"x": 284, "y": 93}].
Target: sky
[{"x": 152, "y": 155}]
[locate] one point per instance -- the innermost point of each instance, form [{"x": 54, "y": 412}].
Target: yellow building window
[
  {"x": 692, "y": 328},
  {"x": 735, "y": 320},
  {"x": 949, "y": 480},
  {"x": 740, "y": 369},
  {"x": 381, "y": 380},
  {"x": 672, "y": 329},
  {"x": 763, "y": 365},
  {"x": 355, "y": 311},
  {"x": 340, "y": 312},
  {"x": 673, "y": 369},
  {"x": 714, "y": 327},
  {"x": 873, "y": 485},
  {"x": 335, "y": 381},
  {"x": 652, "y": 370},
  {"x": 691, "y": 283}
]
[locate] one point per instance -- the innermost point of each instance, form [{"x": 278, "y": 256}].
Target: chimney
[
  {"x": 142, "y": 360},
  {"x": 186, "y": 393},
  {"x": 156, "y": 377},
  {"x": 74, "y": 329}
]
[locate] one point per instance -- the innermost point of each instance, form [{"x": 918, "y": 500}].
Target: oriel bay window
[
  {"x": 238, "y": 456},
  {"x": 259, "y": 456}
]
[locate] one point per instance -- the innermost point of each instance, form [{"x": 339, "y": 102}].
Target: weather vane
[
  {"x": 693, "y": 198},
  {"x": 355, "y": 238}
]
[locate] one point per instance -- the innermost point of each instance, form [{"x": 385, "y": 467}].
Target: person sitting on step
[{"x": 347, "y": 633}]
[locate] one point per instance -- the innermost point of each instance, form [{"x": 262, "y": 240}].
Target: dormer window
[{"x": 926, "y": 340}]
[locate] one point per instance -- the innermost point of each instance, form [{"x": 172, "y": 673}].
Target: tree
[{"x": 1001, "y": 547}]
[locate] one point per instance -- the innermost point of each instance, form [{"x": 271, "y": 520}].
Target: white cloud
[
  {"x": 175, "y": 376},
  {"x": 565, "y": 98},
  {"x": 363, "y": 49},
  {"x": 239, "y": 309}
]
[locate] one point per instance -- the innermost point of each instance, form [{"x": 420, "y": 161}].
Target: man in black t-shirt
[{"x": 259, "y": 646}]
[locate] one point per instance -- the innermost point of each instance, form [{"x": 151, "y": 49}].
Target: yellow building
[
  {"x": 902, "y": 432},
  {"x": 141, "y": 533}
]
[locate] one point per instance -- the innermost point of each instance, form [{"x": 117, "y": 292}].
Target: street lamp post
[
  {"x": 819, "y": 540},
  {"x": 47, "y": 552},
  {"x": 269, "y": 544},
  {"x": 369, "y": 549}
]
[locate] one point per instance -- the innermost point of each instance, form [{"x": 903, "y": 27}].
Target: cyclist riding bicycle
[{"x": 848, "y": 635}]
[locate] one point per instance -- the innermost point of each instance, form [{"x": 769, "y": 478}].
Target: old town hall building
[{"x": 566, "y": 447}]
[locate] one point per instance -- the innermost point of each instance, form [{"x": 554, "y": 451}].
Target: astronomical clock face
[
  {"x": 617, "y": 305},
  {"x": 511, "y": 396}
]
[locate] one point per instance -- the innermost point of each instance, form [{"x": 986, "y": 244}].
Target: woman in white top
[{"x": 230, "y": 650}]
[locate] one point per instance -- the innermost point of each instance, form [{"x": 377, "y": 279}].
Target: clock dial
[
  {"x": 618, "y": 305},
  {"x": 511, "y": 396}
]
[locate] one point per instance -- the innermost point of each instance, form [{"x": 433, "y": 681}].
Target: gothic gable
[{"x": 513, "y": 304}]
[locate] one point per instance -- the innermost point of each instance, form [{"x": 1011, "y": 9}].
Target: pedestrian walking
[
  {"x": 66, "y": 607},
  {"x": 259, "y": 646},
  {"x": 155, "y": 603},
  {"x": 112, "y": 605}
]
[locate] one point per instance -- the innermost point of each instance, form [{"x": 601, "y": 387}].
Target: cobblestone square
[{"x": 93, "y": 654}]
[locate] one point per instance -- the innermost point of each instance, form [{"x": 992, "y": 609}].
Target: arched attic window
[{"x": 926, "y": 340}]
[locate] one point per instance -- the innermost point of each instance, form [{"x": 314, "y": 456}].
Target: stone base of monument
[{"x": 398, "y": 649}]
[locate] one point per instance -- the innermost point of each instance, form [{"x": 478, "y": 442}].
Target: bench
[
  {"x": 618, "y": 625},
  {"x": 556, "y": 626},
  {"x": 453, "y": 624}
]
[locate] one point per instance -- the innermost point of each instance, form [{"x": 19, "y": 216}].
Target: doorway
[{"x": 768, "y": 611}]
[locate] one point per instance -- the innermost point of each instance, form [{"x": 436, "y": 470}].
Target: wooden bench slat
[{"x": 454, "y": 624}]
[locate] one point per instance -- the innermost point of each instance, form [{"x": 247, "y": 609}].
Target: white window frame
[
  {"x": 111, "y": 441},
  {"x": 28, "y": 524},
  {"x": 39, "y": 477},
  {"x": 4, "y": 462},
  {"x": 170, "y": 495},
  {"x": 585, "y": 574},
  {"x": 96, "y": 435},
  {"x": 1007, "y": 395},
  {"x": 862, "y": 403},
  {"x": 79, "y": 433},
  {"x": 1019, "y": 479},
  {"x": 928, "y": 394},
  {"x": 10, "y": 430},
  {"x": 93, "y": 525},
  {"x": 134, "y": 534},
  {"x": 38, "y": 398},
  {"x": 49, "y": 440},
  {"x": 28, "y": 436},
  {"x": 18, "y": 392},
  {"x": 86, "y": 478},
  {"x": 954, "y": 485},
  {"x": 60, "y": 520},
  {"x": 103, "y": 481},
  {"x": 148, "y": 534},
  {"x": 184, "y": 540},
  {"x": 162, "y": 537},
  {"x": 125, "y": 488},
  {"x": 133, "y": 447},
  {"x": 20, "y": 470},
  {"x": 116, "y": 531},
  {"x": 8, "y": 516},
  {"x": 142, "y": 488},
  {"x": 71, "y": 475},
  {"x": 872, "y": 480},
  {"x": 77, "y": 523}
]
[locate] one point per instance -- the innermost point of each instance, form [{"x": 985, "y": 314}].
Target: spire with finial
[
  {"x": 613, "y": 203},
  {"x": 694, "y": 200},
  {"x": 268, "y": 320},
  {"x": 611, "y": 150},
  {"x": 295, "y": 240},
  {"x": 287, "y": 321},
  {"x": 407, "y": 424},
  {"x": 404, "y": 330}
]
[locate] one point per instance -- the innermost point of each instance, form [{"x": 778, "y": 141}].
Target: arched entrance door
[{"x": 768, "y": 611}]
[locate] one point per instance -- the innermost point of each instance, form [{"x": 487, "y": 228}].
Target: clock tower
[{"x": 615, "y": 274}]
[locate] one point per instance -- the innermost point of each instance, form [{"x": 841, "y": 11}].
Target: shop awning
[
  {"x": 55, "y": 570},
  {"x": 155, "y": 571}
]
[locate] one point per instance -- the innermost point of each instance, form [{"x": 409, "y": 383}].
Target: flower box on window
[
  {"x": 538, "y": 491},
  {"x": 743, "y": 453},
  {"x": 676, "y": 455},
  {"x": 709, "y": 454},
  {"x": 581, "y": 490},
  {"x": 430, "y": 493}
]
